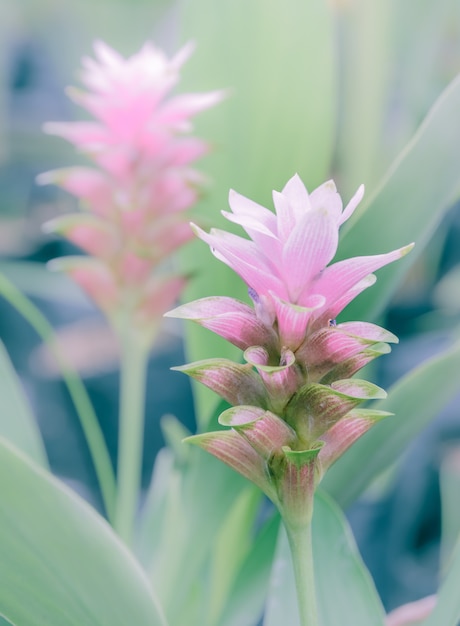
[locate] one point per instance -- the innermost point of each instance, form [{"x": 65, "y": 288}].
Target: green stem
[
  {"x": 133, "y": 374},
  {"x": 77, "y": 391},
  {"x": 300, "y": 542}
]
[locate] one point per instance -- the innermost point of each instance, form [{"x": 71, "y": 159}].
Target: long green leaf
[
  {"x": 187, "y": 508},
  {"x": 277, "y": 60},
  {"x": 61, "y": 564},
  {"x": 17, "y": 422},
  {"x": 247, "y": 598},
  {"x": 346, "y": 592},
  {"x": 447, "y": 609},
  {"x": 415, "y": 400},
  {"x": 450, "y": 502},
  {"x": 344, "y": 588},
  {"x": 410, "y": 202},
  {"x": 231, "y": 546},
  {"x": 77, "y": 391}
]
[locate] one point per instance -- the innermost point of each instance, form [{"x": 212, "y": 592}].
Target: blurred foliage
[{"x": 339, "y": 88}]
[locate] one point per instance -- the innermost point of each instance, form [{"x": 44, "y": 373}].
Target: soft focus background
[{"x": 328, "y": 89}]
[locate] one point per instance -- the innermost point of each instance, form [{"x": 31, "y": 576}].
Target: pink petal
[
  {"x": 297, "y": 196},
  {"x": 231, "y": 319},
  {"x": 324, "y": 374},
  {"x": 351, "y": 206},
  {"x": 337, "y": 279},
  {"x": 285, "y": 217},
  {"x": 261, "y": 219},
  {"x": 315, "y": 408},
  {"x": 328, "y": 347},
  {"x": 265, "y": 431},
  {"x": 281, "y": 381},
  {"x": 95, "y": 236},
  {"x": 344, "y": 433},
  {"x": 367, "y": 331},
  {"x": 236, "y": 383},
  {"x": 326, "y": 197},
  {"x": 186, "y": 105},
  {"x": 245, "y": 259},
  {"x": 293, "y": 320},
  {"x": 310, "y": 247},
  {"x": 94, "y": 277},
  {"x": 233, "y": 449},
  {"x": 359, "y": 389},
  {"x": 86, "y": 183},
  {"x": 333, "y": 309},
  {"x": 87, "y": 135}
]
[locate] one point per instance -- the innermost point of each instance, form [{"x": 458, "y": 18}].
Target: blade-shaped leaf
[
  {"x": 17, "y": 423},
  {"x": 447, "y": 609},
  {"x": 450, "y": 502},
  {"x": 230, "y": 549},
  {"x": 61, "y": 564},
  {"x": 340, "y": 572},
  {"x": 415, "y": 400},
  {"x": 82, "y": 402},
  {"x": 410, "y": 202},
  {"x": 247, "y": 598},
  {"x": 344, "y": 589},
  {"x": 187, "y": 507}
]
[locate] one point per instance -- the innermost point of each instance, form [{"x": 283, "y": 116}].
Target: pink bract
[
  {"x": 295, "y": 403},
  {"x": 142, "y": 182},
  {"x": 286, "y": 260}
]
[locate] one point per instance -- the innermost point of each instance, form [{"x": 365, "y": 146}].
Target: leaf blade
[{"x": 61, "y": 563}]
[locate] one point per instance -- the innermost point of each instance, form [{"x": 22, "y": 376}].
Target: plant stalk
[
  {"x": 300, "y": 543},
  {"x": 133, "y": 373}
]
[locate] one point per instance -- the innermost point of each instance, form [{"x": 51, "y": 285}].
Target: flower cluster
[
  {"x": 135, "y": 197},
  {"x": 295, "y": 406}
]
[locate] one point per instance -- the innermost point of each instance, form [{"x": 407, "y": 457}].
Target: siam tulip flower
[
  {"x": 137, "y": 193},
  {"x": 295, "y": 407}
]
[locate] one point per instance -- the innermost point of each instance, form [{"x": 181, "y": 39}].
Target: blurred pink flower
[
  {"x": 136, "y": 195},
  {"x": 295, "y": 405}
]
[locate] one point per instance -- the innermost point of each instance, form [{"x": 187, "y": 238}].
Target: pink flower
[
  {"x": 296, "y": 408},
  {"x": 285, "y": 263},
  {"x": 142, "y": 183}
]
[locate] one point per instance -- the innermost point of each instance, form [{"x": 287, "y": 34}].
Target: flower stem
[
  {"x": 300, "y": 542},
  {"x": 133, "y": 374}
]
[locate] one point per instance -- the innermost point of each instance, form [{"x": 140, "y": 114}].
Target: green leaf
[
  {"x": 281, "y": 606},
  {"x": 77, "y": 391},
  {"x": 410, "y": 201},
  {"x": 447, "y": 609},
  {"x": 415, "y": 400},
  {"x": 269, "y": 127},
  {"x": 231, "y": 546},
  {"x": 449, "y": 476},
  {"x": 17, "y": 422},
  {"x": 246, "y": 600},
  {"x": 62, "y": 565},
  {"x": 344, "y": 589},
  {"x": 185, "y": 511}
]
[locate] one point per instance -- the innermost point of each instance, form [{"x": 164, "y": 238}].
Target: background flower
[{"x": 136, "y": 195}]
